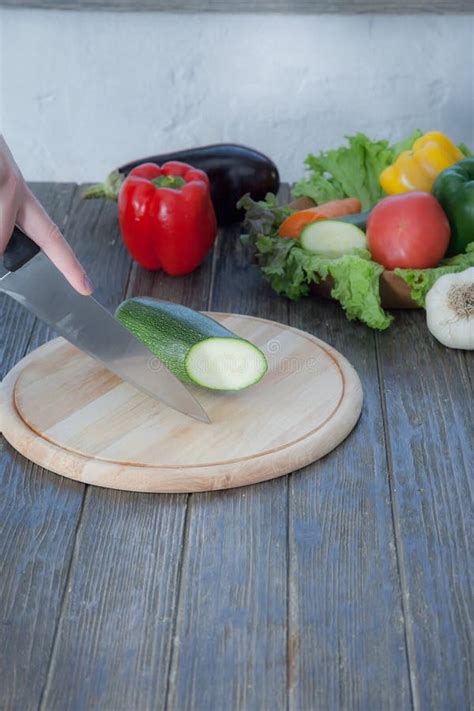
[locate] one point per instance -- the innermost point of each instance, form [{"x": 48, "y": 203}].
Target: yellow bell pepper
[{"x": 417, "y": 169}]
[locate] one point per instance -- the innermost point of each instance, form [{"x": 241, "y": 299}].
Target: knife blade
[{"x": 40, "y": 287}]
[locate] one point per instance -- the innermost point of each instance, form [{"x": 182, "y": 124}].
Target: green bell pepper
[{"x": 454, "y": 190}]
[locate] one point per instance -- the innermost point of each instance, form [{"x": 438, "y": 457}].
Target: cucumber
[
  {"x": 332, "y": 238},
  {"x": 359, "y": 219},
  {"x": 194, "y": 347}
]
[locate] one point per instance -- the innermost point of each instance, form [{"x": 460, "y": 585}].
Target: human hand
[{"x": 18, "y": 206}]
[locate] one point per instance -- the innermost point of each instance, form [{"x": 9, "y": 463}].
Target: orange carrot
[{"x": 294, "y": 224}]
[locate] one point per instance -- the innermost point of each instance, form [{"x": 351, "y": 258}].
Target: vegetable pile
[{"x": 410, "y": 232}]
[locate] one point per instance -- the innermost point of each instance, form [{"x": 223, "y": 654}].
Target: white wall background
[{"x": 83, "y": 92}]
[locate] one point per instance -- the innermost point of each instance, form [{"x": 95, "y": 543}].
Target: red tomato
[{"x": 410, "y": 231}]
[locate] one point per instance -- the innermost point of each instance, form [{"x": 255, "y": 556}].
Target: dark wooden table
[{"x": 345, "y": 585}]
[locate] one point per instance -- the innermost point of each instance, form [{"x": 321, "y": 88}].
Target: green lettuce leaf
[
  {"x": 465, "y": 149},
  {"x": 406, "y": 144},
  {"x": 263, "y": 216},
  {"x": 356, "y": 287},
  {"x": 420, "y": 281},
  {"x": 351, "y": 171}
]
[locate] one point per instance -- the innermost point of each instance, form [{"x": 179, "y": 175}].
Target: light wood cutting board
[{"x": 62, "y": 410}]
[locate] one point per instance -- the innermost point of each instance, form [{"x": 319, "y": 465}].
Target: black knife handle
[{"x": 20, "y": 249}]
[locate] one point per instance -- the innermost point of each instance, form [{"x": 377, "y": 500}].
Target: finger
[
  {"x": 8, "y": 213},
  {"x": 37, "y": 224}
]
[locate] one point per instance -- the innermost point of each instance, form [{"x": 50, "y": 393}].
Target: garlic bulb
[{"x": 450, "y": 309}]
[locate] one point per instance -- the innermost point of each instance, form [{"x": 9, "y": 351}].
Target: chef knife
[{"x": 35, "y": 282}]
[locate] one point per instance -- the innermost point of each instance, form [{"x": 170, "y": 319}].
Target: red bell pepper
[{"x": 166, "y": 216}]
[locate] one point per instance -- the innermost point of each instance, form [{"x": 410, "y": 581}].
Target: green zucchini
[
  {"x": 193, "y": 346},
  {"x": 359, "y": 219},
  {"x": 332, "y": 238}
]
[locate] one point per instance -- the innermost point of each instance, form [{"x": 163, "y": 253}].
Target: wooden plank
[
  {"x": 279, "y": 6},
  {"x": 92, "y": 230},
  {"x": 469, "y": 365},
  {"x": 346, "y": 636},
  {"x": 38, "y": 518},
  {"x": 230, "y": 638},
  {"x": 114, "y": 640},
  {"x": 229, "y": 644},
  {"x": 114, "y": 636},
  {"x": 428, "y": 419}
]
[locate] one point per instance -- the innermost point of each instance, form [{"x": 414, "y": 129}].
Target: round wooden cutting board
[{"x": 65, "y": 412}]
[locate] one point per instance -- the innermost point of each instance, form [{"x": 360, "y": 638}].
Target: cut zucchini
[
  {"x": 193, "y": 346},
  {"x": 332, "y": 238}
]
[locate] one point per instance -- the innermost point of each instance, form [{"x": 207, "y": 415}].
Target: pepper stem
[
  {"x": 169, "y": 181},
  {"x": 109, "y": 189}
]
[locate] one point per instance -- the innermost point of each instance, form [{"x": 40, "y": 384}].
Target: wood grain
[
  {"x": 133, "y": 649},
  {"x": 38, "y": 518},
  {"x": 280, "y": 6},
  {"x": 346, "y": 629},
  {"x": 107, "y": 602},
  {"x": 231, "y": 623},
  {"x": 63, "y": 410},
  {"x": 92, "y": 230},
  {"x": 229, "y": 643},
  {"x": 428, "y": 418},
  {"x": 114, "y": 635}
]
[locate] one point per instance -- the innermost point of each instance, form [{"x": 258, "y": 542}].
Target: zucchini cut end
[
  {"x": 332, "y": 238},
  {"x": 225, "y": 364}
]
